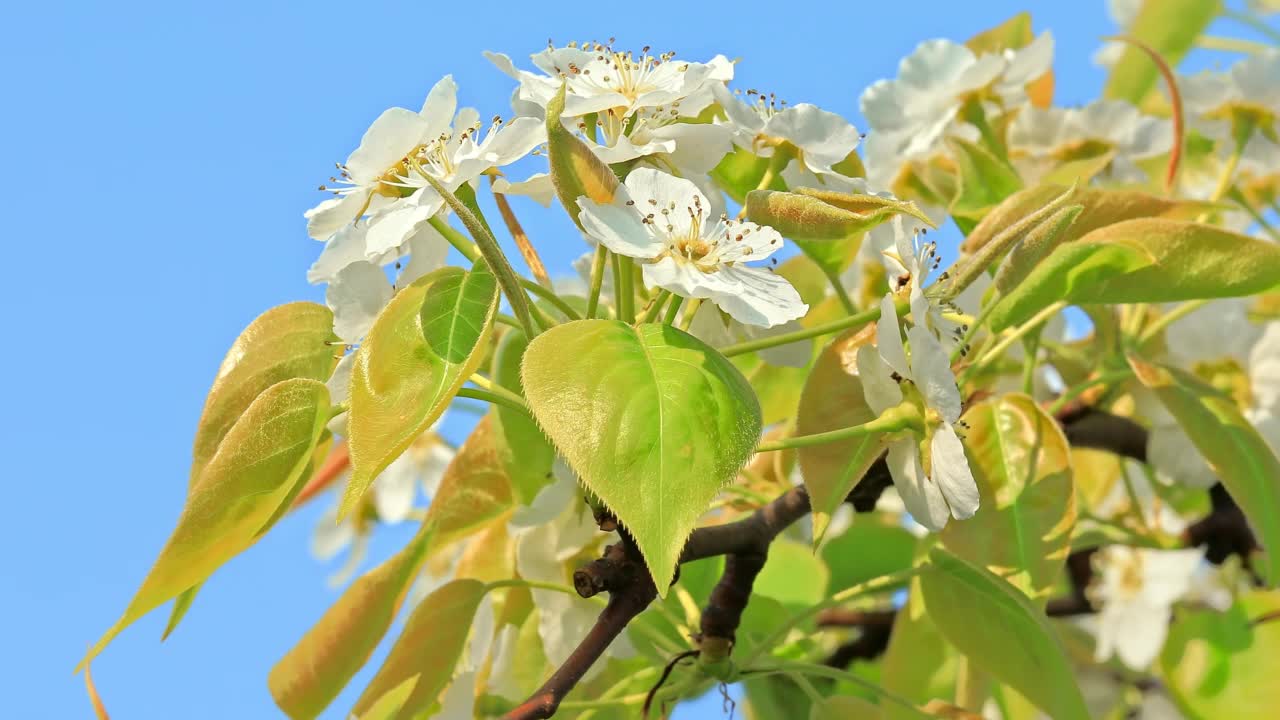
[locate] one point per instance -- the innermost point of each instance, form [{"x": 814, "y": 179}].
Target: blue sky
[{"x": 158, "y": 161}]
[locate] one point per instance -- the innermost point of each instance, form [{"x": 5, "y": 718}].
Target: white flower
[
  {"x": 386, "y": 177},
  {"x": 599, "y": 79},
  {"x": 1039, "y": 138},
  {"x": 394, "y": 493},
  {"x": 1249, "y": 85},
  {"x": 548, "y": 534},
  {"x": 666, "y": 222},
  {"x": 910, "y": 115},
  {"x": 1136, "y": 589},
  {"x": 1123, "y": 13},
  {"x": 1217, "y": 342},
  {"x": 359, "y": 290},
  {"x": 820, "y": 138}
]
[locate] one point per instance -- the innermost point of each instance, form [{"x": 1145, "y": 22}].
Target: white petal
[
  {"x": 334, "y": 214},
  {"x": 738, "y": 112},
  {"x": 393, "y": 135},
  {"x": 654, "y": 191},
  {"x": 931, "y": 371},
  {"x": 823, "y": 137},
  {"x": 710, "y": 326},
  {"x": 699, "y": 147},
  {"x": 624, "y": 149},
  {"x": 761, "y": 297},
  {"x": 921, "y": 497},
  {"x": 1264, "y": 369},
  {"x": 356, "y": 295},
  {"x": 514, "y": 140},
  {"x": 342, "y": 249},
  {"x": 331, "y": 537},
  {"x": 432, "y": 466},
  {"x": 537, "y": 186},
  {"x": 395, "y": 488},
  {"x": 758, "y": 242},
  {"x": 619, "y": 228},
  {"x": 1167, "y": 574},
  {"x": 950, "y": 470},
  {"x": 389, "y": 229},
  {"x": 459, "y": 701},
  {"x": 889, "y": 338},
  {"x": 549, "y": 503},
  {"x": 1030, "y": 62},
  {"x": 879, "y": 388},
  {"x": 427, "y": 252},
  {"x": 796, "y": 354},
  {"x": 439, "y": 106}
]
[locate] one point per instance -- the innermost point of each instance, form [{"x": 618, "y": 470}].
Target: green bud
[
  {"x": 823, "y": 215},
  {"x": 1036, "y": 246},
  {"x": 575, "y": 170}
]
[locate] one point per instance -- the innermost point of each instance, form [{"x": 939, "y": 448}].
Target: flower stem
[
  {"x": 793, "y": 668},
  {"x": 1075, "y": 391},
  {"x": 1216, "y": 42},
  {"x": 1169, "y": 318},
  {"x": 626, "y": 288},
  {"x": 892, "y": 420},
  {"x": 1034, "y": 323},
  {"x": 455, "y": 238},
  {"x": 673, "y": 309},
  {"x": 597, "y": 280},
  {"x": 493, "y": 398},
  {"x": 842, "y": 295},
  {"x": 655, "y": 307},
  {"x": 1243, "y": 202},
  {"x": 689, "y": 311},
  {"x": 869, "y": 315},
  {"x": 520, "y": 237}
]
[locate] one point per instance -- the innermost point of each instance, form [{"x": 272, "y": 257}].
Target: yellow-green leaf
[
  {"x": 525, "y": 451},
  {"x": 1145, "y": 260},
  {"x": 653, "y": 421},
  {"x": 258, "y": 467},
  {"x": 1022, "y": 464},
  {"x": 1239, "y": 456},
  {"x": 919, "y": 664},
  {"x": 314, "y": 671},
  {"x": 475, "y": 488},
  {"x": 984, "y": 179},
  {"x": 289, "y": 341},
  {"x": 428, "y": 648},
  {"x": 422, "y": 348},
  {"x": 1169, "y": 27},
  {"x": 1001, "y": 632},
  {"x": 832, "y": 399}
]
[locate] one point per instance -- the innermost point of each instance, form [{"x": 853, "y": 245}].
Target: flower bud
[{"x": 575, "y": 170}]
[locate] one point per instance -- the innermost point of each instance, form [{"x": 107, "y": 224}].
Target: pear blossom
[
  {"x": 665, "y": 222},
  {"x": 819, "y": 138},
  {"x": 1122, "y": 13},
  {"x": 1040, "y": 138},
  {"x": 1222, "y": 345},
  {"x": 614, "y": 83},
  {"x": 1136, "y": 589},
  {"x": 386, "y": 177},
  {"x": 1249, "y": 87},
  {"x": 715, "y": 329},
  {"x": 910, "y": 115},
  {"x": 394, "y": 494}
]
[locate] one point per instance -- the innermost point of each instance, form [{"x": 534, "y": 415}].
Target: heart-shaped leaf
[
  {"x": 314, "y": 671},
  {"x": 258, "y": 468},
  {"x": 1232, "y": 446},
  {"x": 1145, "y": 260},
  {"x": 652, "y": 419},
  {"x": 832, "y": 399},
  {"x": 1001, "y": 632},
  {"x": 422, "y": 348},
  {"x": 424, "y": 655},
  {"x": 1022, "y": 464},
  {"x": 289, "y": 341}
]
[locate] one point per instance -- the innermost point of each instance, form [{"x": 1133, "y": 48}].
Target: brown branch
[
  {"x": 626, "y": 600},
  {"x": 1089, "y": 427},
  {"x": 869, "y": 645}
]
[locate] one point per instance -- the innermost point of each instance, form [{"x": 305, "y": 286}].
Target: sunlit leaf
[
  {"x": 985, "y": 180},
  {"x": 433, "y": 638},
  {"x": 850, "y": 564},
  {"x": 1001, "y": 632},
  {"x": 1239, "y": 456},
  {"x": 792, "y": 575},
  {"x": 1221, "y": 664},
  {"x": 653, "y": 420},
  {"x": 741, "y": 171},
  {"x": 1145, "y": 260},
  {"x": 1021, "y": 462},
  {"x": 526, "y": 452},
  {"x": 289, "y": 341},
  {"x": 843, "y": 707},
  {"x": 919, "y": 664},
  {"x": 1170, "y": 27},
  {"x": 315, "y": 671},
  {"x": 475, "y": 488},
  {"x": 422, "y": 348},
  {"x": 832, "y": 399},
  {"x": 258, "y": 467}
]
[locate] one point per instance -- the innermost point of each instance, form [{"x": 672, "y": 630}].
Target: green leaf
[
  {"x": 832, "y": 399},
  {"x": 424, "y": 655},
  {"x": 258, "y": 467},
  {"x": 824, "y": 214},
  {"x": 984, "y": 179},
  {"x": 1038, "y": 243},
  {"x": 475, "y": 489},
  {"x": 843, "y": 707},
  {"x": 919, "y": 664},
  {"x": 1145, "y": 260},
  {"x": 1239, "y": 456},
  {"x": 525, "y": 451},
  {"x": 1001, "y": 632},
  {"x": 1170, "y": 27},
  {"x": 792, "y": 575},
  {"x": 1221, "y": 664},
  {"x": 422, "y": 348},
  {"x": 1022, "y": 465},
  {"x": 849, "y": 562},
  {"x": 315, "y": 671},
  {"x": 289, "y": 341},
  {"x": 741, "y": 171},
  {"x": 653, "y": 420}
]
